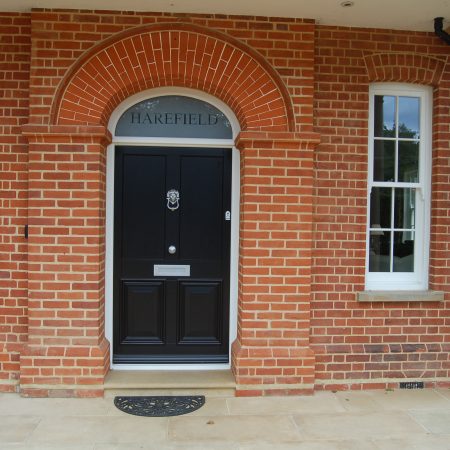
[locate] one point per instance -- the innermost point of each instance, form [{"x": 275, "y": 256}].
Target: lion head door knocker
[{"x": 173, "y": 199}]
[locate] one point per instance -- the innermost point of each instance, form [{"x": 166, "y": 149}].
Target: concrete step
[{"x": 212, "y": 383}]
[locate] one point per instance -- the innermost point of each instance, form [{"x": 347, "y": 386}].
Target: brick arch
[
  {"x": 182, "y": 55},
  {"x": 407, "y": 68}
]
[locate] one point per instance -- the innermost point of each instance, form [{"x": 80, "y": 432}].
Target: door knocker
[{"x": 173, "y": 199}]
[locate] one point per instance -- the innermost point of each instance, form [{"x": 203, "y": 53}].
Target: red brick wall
[
  {"x": 173, "y": 55},
  {"x": 299, "y": 204},
  {"x": 360, "y": 344},
  {"x": 60, "y": 38},
  {"x": 66, "y": 262},
  {"x": 49, "y": 362},
  {"x": 272, "y": 353},
  {"x": 14, "y": 80}
]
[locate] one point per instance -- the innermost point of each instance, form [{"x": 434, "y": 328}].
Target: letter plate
[{"x": 171, "y": 270}]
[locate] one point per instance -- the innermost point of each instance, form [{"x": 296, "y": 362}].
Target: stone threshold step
[{"x": 174, "y": 380}]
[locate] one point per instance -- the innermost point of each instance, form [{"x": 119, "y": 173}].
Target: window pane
[
  {"x": 384, "y": 161},
  {"x": 408, "y": 117},
  {"x": 384, "y": 123},
  {"x": 408, "y": 161},
  {"x": 380, "y": 207},
  {"x": 174, "y": 116},
  {"x": 403, "y": 251},
  {"x": 379, "y": 259},
  {"x": 405, "y": 202}
]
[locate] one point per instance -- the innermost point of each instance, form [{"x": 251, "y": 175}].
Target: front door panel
[{"x": 183, "y": 316}]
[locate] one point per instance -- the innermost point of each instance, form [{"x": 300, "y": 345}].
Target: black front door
[{"x": 171, "y": 256}]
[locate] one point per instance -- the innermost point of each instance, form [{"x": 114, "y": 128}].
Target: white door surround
[{"x": 172, "y": 142}]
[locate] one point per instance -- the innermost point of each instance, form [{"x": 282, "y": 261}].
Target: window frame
[{"x": 417, "y": 280}]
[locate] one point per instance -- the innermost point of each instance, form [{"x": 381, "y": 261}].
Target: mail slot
[{"x": 169, "y": 270}]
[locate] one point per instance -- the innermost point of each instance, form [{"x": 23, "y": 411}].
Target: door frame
[{"x": 235, "y": 202}]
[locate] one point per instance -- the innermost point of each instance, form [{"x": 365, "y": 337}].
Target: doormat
[{"x": 159, "y": 406}]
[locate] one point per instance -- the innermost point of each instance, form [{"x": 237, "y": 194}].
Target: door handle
[{"x": 172, "y": 249}]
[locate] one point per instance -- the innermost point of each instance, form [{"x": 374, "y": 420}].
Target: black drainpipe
[{"x": 439, "y": 29}]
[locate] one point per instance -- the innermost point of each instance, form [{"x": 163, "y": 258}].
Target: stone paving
[{"x": 368, "y": 420}]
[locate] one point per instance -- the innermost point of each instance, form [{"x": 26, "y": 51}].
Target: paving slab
[
  {"x": 358, "y": 401},
  {"x": 167, "y": 446},
  {"x": 17, "y": 428},
  {"x": 444, "y": 392},
  {"x": 212, "y": 407},
  {"x": 353, "y": 420},
  {"x": 46, "y": 446},
  {"x": 436, "y": 422},
  {"x": 409, "y": 399},
  {"x": 313, "y": 445},
  {"x": 14, "y": 405},
  {"x": 363, "y": 425},
  {"x": 390, "y": 400},
  {"x": 233, "y": 429},
  {"x": 304, "y": 445},
  {"x": 98, "y": 429},
  {"x": 427, "y": 442},
  {"x": 284, "y": 405}
]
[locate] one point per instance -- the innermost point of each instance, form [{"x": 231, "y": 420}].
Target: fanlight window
[{"x": 174, "y": 116}]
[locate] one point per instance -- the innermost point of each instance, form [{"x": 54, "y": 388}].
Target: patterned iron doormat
[{"x": 159, "y": 406}]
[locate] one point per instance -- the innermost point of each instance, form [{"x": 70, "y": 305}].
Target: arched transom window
[{"x": 175, "y": 116}]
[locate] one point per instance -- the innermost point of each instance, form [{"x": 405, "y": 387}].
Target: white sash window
[{"x": 398, "y": 187}]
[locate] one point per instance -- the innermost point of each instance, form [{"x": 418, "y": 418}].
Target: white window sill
[{"x": 400, "y": 296}]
